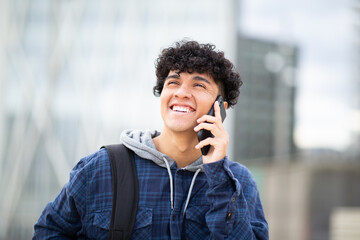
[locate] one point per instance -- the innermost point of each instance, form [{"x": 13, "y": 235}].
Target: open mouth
[{"x": 183, "y": 109}]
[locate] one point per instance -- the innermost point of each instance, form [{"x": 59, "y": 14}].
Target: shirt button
[
  {"x": 233, "y": 199},
  {"x": 228, "y": 216}
]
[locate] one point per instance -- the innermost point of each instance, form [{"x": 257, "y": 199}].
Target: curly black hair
[{"x": 191, "y": 56}]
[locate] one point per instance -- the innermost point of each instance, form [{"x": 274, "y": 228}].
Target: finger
[
  {"x": 205, "y": 142},
  {"x": 217, "y": 110},
  {"x": 207, "y": 126},
  {"x": 215, "y": 142},
  {"x": 207, "y": 118}
]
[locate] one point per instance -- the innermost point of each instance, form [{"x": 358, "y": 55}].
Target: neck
[{"x": 179, "y": 146}]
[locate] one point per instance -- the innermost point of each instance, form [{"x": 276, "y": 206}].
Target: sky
[{"x": 326, "y": 115}]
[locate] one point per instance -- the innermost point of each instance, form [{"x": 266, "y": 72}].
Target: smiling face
[{"x": 185, "y": 98}]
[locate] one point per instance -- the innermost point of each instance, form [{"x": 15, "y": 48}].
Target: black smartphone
[{"x": 203, "y": 134}]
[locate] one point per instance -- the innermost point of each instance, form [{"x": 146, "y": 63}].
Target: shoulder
[
  {"x": 92, "y": 177},
  {"x": 240, "y": 172},
  {"x": 244, "y": 180},
  {"x": 94, "y": 160},
  {"x": 92, "y": 164}
]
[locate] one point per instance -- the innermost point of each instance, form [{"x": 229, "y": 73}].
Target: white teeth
[{"x": 181, "y": 109}]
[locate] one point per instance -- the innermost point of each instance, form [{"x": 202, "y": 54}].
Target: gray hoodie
[{"x": 142, "y": 144}]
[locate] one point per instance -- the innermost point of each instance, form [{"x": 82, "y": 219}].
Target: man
[{"x": 182, "y": 194}]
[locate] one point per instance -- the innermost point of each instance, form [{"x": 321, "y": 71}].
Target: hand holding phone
[{"x": 203, "y": 133}]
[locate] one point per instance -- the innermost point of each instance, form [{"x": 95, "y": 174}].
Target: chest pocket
[
  {"x": 143, "y": 224},
  {"x": 195, "y": 223},
  {"x": 100, "y": 225}
]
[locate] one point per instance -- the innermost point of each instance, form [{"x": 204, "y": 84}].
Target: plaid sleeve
[
  {"x": 236, "y": 211},
  {"x": 62, "y": 217}
]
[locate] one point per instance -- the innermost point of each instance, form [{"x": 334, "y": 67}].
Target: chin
[{"x": 181, "y": 128}]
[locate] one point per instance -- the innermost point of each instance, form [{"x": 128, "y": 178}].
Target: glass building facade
[{"x": 264, "y": 115}]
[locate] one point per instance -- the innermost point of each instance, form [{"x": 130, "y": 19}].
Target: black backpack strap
[{"x": 125, "y": 191}]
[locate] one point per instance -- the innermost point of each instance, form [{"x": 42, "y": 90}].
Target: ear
[{"x": 225, "y": 104}]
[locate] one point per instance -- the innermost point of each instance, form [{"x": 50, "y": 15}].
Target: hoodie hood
[{"x": 142, "y": 144}]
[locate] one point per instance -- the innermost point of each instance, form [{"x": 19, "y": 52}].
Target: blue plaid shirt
[{"x": 224, "y": 203}]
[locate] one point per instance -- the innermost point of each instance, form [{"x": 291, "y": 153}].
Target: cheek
[
  {"x": 163, "y": 98},
  {"x": 205, "y": 110},
  {"x": 207, "y": 106},
  {"x": 164, "y": 101}
]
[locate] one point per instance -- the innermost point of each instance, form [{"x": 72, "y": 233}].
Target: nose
[{"x": 183, "y": 92}]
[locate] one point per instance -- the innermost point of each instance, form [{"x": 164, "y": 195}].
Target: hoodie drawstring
[
  {"x": 171, "y": 183},
  {"x": 172, "y": 190},
  {"x": 190, "y": 189}
]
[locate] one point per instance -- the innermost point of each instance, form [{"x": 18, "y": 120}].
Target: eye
[
  {"x": 172, "y": 82},
  {"x": 199, "y": 85}
]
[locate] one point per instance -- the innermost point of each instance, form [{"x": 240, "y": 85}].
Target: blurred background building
[
  {"x": 74, "y": 74},
  {"x": 264, "y": 116}
]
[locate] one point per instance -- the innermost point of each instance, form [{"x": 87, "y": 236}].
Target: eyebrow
[
  {"x": 196, "y": 78},
  {"x": 177, "y": 76}
]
